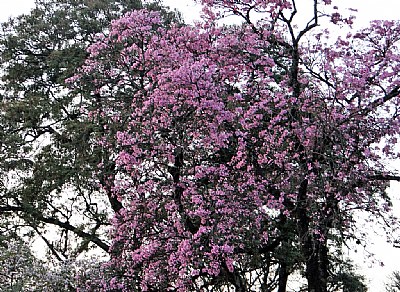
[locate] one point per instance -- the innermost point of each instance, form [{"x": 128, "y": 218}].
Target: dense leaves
[
  {"x": 49, "y": 155},
  {"x": 20, "y": 270}
]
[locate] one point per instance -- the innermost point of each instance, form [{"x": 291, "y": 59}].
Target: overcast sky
[{"x": 367, "y": 10}]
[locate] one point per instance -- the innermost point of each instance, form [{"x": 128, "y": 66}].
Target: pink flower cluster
[{"x": 222, "y": 127}]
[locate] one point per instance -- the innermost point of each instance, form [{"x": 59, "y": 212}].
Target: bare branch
[{"x": 54, "y": 221}]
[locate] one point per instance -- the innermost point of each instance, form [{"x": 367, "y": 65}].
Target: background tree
[
  {"x": 394, "y": 284},
  {"x": 49, "y": 154},
  {"x": 236, "y": 134}
]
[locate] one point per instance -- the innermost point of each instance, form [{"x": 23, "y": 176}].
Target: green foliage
[
  {"x": 345, "y": 278},
  {"x": 20, "y": 270},
  {"x": 48, "y": 152}
]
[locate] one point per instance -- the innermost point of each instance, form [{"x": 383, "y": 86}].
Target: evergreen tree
[{"x": 49, "y": 154}]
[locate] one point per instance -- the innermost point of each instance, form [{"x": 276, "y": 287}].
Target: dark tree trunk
[
  {"x": 314, "y": 248},
  {"x": 283, "y": 277},
  {"x": 316, "y": 265}
]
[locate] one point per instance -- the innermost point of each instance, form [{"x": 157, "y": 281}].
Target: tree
[
  {"x": 394, "y": 284},
  {"x": 345, "y": 278},
  {"x": 49, "y": 181},
  {"x": 19, "y": 268},
  {"x": 49, "y": 158},
  {"x": 21, "y": 271},
  {"x": 234, "y": 133}
]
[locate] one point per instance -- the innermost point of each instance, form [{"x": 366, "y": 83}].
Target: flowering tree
[{"x": 235, "y": 142}]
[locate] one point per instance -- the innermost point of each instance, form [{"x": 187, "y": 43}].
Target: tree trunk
[
  {"x": 316, "y": 253},
  {"x": 314, "y": 248},
  {"x": 283, "y": 277}
]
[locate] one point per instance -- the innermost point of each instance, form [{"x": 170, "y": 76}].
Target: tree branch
[
  {"x": 54, "y": 221},
  {"x": 383, "y": 177}
]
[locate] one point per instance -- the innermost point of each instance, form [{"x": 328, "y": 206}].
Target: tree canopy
[
  {"x": 49, "y": 185},
  {"x": 221, "y": 156},
  {"x": 48, "y": 152},
  {"x": 241, "y": 141}
]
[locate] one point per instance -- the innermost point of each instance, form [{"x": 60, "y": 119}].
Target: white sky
[{"x": 367, "y": 10}]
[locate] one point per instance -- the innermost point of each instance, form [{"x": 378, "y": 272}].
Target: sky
[{"x": 367, "y": 10}]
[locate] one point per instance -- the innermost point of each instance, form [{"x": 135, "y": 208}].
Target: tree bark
[
  {"x": 316, "y": 265},
  {"x": 314, "y": 249},
  {"x": 283, "y": 277}
]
